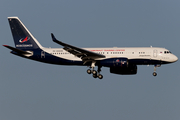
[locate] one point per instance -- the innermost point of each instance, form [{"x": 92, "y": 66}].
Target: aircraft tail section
[{"x": 23, "y": 39}]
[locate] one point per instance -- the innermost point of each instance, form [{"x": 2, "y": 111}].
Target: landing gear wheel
[
  {"x": 100, "y": 76},
  {"x": 89, "y": 71},
  {"x": 95, "y": 75},
  {"x": 154, "y": 74},
  {"x": 94, "y": 72}
]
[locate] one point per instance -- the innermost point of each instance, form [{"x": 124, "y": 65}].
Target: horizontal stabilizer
[{"x": 16, "y": 50}]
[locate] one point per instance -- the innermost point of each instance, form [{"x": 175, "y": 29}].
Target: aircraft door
[{"x": 154, "y": 53}]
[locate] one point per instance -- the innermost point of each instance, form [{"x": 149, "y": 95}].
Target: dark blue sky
[{"x": 36, "y": 91}]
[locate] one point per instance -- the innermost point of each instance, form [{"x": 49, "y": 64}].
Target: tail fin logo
[{"x": 24, "y": 40}]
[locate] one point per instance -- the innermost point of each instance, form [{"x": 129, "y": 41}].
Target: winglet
[
  {"x": 53, "y": 37},
  {"x": 57, "y": 41}
]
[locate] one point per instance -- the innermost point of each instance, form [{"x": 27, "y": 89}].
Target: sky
[{"x": 31, "y": 90}]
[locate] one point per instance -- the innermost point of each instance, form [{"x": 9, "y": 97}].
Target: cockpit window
[{"x": 167, "y": 52}]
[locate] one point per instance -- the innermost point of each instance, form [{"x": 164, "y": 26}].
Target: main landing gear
[
  {"x": 155, "y": 66},
  {"x": 96, "y": 74}
]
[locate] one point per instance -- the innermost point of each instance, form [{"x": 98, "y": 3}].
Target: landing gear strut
[
  {"x": 94, "y": 72},
  {"x": 155, "y": 66},
  {"x": 98, "y": 73}
]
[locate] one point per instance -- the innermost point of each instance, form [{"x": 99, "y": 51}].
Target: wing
[{"x": 79, "y": 52}]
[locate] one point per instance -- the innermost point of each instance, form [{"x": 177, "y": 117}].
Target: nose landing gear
[
  {"x": 155, "y": 66},
  {"x": 154, "y": 74}
]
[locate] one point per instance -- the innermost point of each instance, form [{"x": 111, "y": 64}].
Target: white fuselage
[{"x": 152, "y": 53}]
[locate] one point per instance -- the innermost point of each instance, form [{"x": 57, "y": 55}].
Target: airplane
[{"x": 122, "y": 61}]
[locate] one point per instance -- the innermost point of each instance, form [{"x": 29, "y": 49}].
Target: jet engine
[{"x": 130, "y": 70}]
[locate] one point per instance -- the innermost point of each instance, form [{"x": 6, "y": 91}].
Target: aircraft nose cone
[{"x": 175, "y": 58}]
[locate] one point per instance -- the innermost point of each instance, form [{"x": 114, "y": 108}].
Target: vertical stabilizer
[{"x": 23, "y": 39}]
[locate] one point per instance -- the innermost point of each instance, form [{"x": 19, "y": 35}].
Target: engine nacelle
[
  {"x": 114, "y": 62},
  {"x": 124, "y": 70}
]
